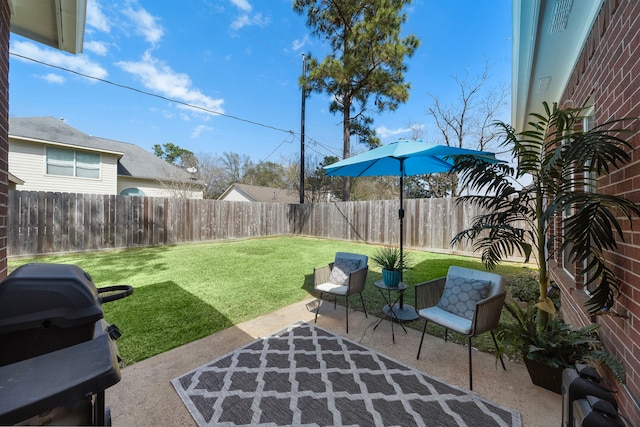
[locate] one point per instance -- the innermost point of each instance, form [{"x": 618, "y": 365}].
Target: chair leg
[
  {"x": 364, "y": 307},
  {"x": 446, "y": 334},
  {"x": 496, "y": 344},
  {"x": 421, "y": 339},
  {"x": 470, "y": 368},
  {"x": 347, "y": 304},
  {"x": 318, "y": 308},
  {"x": 335, "y": 301}
]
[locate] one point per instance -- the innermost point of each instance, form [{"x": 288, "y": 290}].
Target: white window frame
[
  {"x": 588, "y": 123},
  {"x": 74, "y": 164},
  {"x": 566, "y": 265}
]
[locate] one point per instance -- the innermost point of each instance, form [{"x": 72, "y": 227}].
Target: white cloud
[
  {"x": 145, "y": 24},
  {"x": 384, "y": 132},
  {"x": 99, "y": 48},
  {"x": 243, "y": 5},
  {"x": 241, "y": 21},
  {"x": 80, "y": 63},
  {"x": 246, "y": 20},
  {"x": 52, "y": 78},
  {"x": 299, "y": 44},
  {"x": 161, "y": 79},
  {"x": 95, "y": 17},
  {"x": 199, "y": 129}
]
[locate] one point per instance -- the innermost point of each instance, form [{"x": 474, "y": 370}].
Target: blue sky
[{"x": 241, "y": 58}]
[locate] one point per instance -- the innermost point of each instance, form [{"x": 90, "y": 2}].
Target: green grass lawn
[{"x": 186, "y": 292}]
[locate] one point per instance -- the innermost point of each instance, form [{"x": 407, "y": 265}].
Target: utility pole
[{"x": 304, "y": 97}]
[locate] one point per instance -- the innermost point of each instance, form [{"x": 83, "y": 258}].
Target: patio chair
[
  {"x": 345, "y": 276},
  {"x": 466, "y": 301}
]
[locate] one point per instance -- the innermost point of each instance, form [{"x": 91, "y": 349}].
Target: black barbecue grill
[{"x": 58, "y": 355}]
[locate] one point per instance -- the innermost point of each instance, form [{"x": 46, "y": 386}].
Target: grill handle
[{"x": 115, "y": 292}]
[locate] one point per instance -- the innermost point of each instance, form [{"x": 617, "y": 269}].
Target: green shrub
[{"x": 524, "y": 287}]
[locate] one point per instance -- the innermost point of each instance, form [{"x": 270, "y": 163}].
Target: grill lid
[{"x": 39, "y": 294}]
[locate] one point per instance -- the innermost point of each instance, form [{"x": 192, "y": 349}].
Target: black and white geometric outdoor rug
[{"x": 306, "y": 376}]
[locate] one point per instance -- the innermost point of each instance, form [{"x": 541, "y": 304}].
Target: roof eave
[
  {"x": 542, "y": 61},
  {"x": 119, "y": 154},
  {"x": 56, "y": 23}
]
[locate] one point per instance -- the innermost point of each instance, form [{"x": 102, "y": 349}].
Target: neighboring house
[
  {"x": 59, "y": 24},
  {"x": 254, "y": 193},
  {"x": 14, "y": 181},
  {"x": 49, "y": 155},
  {"x": 587, "y": 53}
]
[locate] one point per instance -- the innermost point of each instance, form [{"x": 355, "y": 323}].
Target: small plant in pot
[
  {"x": 549, "y": 348},
  {"x": 392, "y": 261}
]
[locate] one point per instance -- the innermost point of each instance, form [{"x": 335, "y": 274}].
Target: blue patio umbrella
[{"x": 404, "y": 158}]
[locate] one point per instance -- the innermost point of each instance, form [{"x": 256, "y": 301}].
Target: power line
[
  {"x": 143, "y": 92},
  {"x": 286, "y": 141},
  {"x": 122, "y": 86}
]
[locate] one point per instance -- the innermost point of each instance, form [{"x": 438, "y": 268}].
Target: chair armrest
[
  {"x": 429, "y": 293},
  {"x": 357, "y": 280},
  {"x": 487, "y": 314},
  {"x": 321, "y": 274}
]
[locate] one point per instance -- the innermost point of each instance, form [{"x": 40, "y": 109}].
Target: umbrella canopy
[{"x": 404, "y": 158}]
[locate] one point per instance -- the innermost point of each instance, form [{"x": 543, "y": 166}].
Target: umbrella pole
[
  {"x": 401, "y": 217},
  {"x": 408, "y": 312}
]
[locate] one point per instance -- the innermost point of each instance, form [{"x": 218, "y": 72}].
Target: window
[
  {"x": 66, "y": 162},
  {"x": 588, "y": 123},
  {"x": 588, "y": 182},
  {"x": 567, "y": 265},
  {"x": 132, "y": 191}
]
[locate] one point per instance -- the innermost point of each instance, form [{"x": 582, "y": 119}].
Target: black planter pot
[{"x": 545, "y": 376}]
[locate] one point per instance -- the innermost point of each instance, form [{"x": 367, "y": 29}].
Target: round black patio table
[{"x": 392, "y": 309}]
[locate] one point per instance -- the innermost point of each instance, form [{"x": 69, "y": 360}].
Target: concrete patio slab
[{"x": 146, "y": 397}]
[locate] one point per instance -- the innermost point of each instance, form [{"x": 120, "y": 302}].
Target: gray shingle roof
[
  {"x": 265, "y": 194},
  {"x": 50, "y": 129},
  {"x": 134, "y": 161}
]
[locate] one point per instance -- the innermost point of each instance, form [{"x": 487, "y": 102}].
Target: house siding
[
  {"x": 5, "y": 16},
  {"x": 27, "y": 160},
  {"x": 607, "y": 75}
]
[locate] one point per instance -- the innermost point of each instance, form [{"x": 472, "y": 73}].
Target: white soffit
[
  {"x": 548, "y": 37},
  {"x": 56, "y": 23}
]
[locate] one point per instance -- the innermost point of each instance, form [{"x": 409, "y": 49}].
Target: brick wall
[
  {"x": 607, "y": 75},
  {"x": 4, "y": 129}
]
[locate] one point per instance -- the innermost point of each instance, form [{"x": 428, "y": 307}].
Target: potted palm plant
[
  {"x": 547, "y": 354},
  {"x": 562, "y": 163},
  {"x": 392, "y": 261}
]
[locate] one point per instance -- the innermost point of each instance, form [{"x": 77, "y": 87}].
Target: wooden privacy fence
[{"x": 41, "y": 223}]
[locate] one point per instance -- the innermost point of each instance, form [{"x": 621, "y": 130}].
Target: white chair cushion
[
  {"x": 446, "y": 319},
  {"x": 333, "y": 288},
  {"x": 461, "y": 294}
]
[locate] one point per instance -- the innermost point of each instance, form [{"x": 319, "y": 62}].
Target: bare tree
[
  {"x": 417, "y": 130},
  {"x": 236, "y": 165},
  {"x": 179, "y": 183},
  {"x": 318, "y": 187},
  {"x": 213, "y": 173},
  {"x": 468, "y": 121}
]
